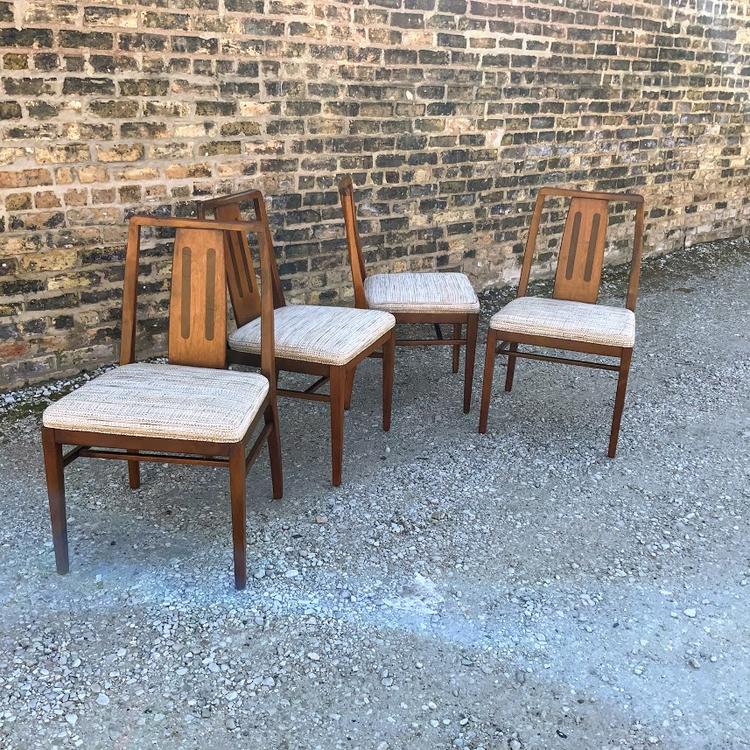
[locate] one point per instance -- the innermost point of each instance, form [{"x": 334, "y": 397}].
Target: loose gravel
[{"x": 510, "y": 591}]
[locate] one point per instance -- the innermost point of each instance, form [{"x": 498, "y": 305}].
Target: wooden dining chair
[
  {"x": 425, "y": 297},
  {"x": 190, "y": 411},
  {"x": 571, "y": 319},
  {"x": 324, "y": 341}
]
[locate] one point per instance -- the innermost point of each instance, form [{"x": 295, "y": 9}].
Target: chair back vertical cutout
[
  {"x": 579, "y": 263},
  {"x": 198, "y": 301},
  {"x": 356, "y": 261}
]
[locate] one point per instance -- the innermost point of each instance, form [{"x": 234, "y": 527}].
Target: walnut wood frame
[
  {"x": 456, "y": 320},
  {"x": 202, "y": 353},
  {"x": 243, "y": 290},
  {"x": 577, "y": 278}
]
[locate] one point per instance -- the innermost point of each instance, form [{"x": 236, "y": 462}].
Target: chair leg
[
  {"x": 511, "y": 368},
  {"x": 456, "y": 347},
  {"x": 471, "y": 349},
  {"x": 489, "y": 371},
  {"x": 622, "y": 384},
  {"x": 338, "y": 398},
  {"x": 134, "y": 474},
  {"x": 237, "y": 476},
  {"x": 271, "y": 416},
  {"x": 389, "y": 359},
  {"x": 350, "y": 373},
  {"x": 53, "y": 465}
]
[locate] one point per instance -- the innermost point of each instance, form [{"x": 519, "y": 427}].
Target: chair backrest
[
  {"x": 579, "y": 262},
  {"x": 356, "y": 260},
  {"x": 241, "y": 277},
  {"x": 198, "y": 296}
]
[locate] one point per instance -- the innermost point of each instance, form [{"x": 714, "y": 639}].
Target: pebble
[{"x": 102, "y": 699}]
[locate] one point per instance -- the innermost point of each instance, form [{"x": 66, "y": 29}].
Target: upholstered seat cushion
[
  {"x": 562, "y": 319},
  {"x": 317, "y": 333},
  {"x": 421, "y": 292},
  {"x": 163, "y": 401}
]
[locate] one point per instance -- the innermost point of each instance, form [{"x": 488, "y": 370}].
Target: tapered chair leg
[
  {"x": 53, "y": 465},
  {"x": 510, "y": 372},
  {"x": 338, "y": 398},
  {"x": 472, "y": 326},
  {"x": 489, "y": 371},
  {"x": 237, "y": 474},
  {"x": 389, "y": 359},
  {"x": 456, "y": 347},
  {"x": 134, "y": 474},
  {"x": 622, "y": 384},
  {"x": 271, "y": 417},
  {"x": 350, "y": 373}
]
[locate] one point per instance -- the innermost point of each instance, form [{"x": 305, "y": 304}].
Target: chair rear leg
[
  {"x": 271, "y": 417},
  {"x": 53, "y": 466},
  {"x": 472, "y": 326},
  {"x": 134, "y": 474},
  {"x": 622, "y": 384},
  {"x": 338, "y": 399},
  {"x": 511, "y": 368},
  {"x": 489, "y": 371},
  {"x": 389, "y": 359},
  {"x": 456, "y": 347},
  {"x": 350, "y": 373},
  {"x": 237, "y": 475}
]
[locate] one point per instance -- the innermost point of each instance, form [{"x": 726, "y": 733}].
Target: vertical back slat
[
  {"x": 197, "y": 308},
  {"x": 356, "y": 260},
  {"x": 579, "y": 265}
]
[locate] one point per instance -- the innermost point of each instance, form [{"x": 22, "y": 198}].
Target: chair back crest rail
[
  {"x": 197, "y": 328},
  {"x": 354, "y": 245},
  {"x": 581, "y": 255}
]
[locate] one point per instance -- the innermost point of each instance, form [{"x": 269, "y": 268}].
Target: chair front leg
[
  {"x": 472, "y": 326},
  {"x": 389, "y": 359},
  {"x": 456, "y": 347},
  {"x": 53, "y": 465},
  {"x": 237, "y": 475},
  {"x": 338, "y": 400},
  {"x": 271, "y": 417},
  {"x": 489, "y": 371},
  {"x": 511, "y": 367},
  {"x": 622, "y": 384}
]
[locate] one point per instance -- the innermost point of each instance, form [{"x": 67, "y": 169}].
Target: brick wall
[{"x": 449, "y": 114}]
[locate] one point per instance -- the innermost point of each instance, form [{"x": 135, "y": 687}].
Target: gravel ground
[{"x": 514, "y": 590}]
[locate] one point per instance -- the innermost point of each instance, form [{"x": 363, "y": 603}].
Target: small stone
[
  {"x": 72, "y": 719},
  {"x": 293, "y": 573},
  {"x": 694, "y": 663},
  {"x": 514, "y": 744},
  {"x": 321, "y": 519},
  {"x": 313, "y": 656},
  {"x": 102, "y": 699},
  {"x": 690, "y": 612}
]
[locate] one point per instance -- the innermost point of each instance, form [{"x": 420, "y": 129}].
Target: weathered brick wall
[{"x": 449, "y": 113}]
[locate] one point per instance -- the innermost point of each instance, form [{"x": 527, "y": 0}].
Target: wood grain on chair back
[
  {"x": 242, "y": 279},
  {"x": 356, "y": 261},
  {"x": 579, "y": 263},
  {"x": 198, "y": 299}
]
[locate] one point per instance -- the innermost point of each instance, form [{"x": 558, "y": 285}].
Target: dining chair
[
  {"x": 321, "y": 340},
  {"x": 571, "y": 319},
  {"x": 423, "y": 297},
  {"x": 191, "y": 410}
]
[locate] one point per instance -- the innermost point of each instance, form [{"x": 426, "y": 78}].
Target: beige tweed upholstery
[
  {"x": 562, "y": 319},
  {"x": 163, "y": 401},
  {"x": 316, "y": 333},
  {"x": 421, "y": 292}
]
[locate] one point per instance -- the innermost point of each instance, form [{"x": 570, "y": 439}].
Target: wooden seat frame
[
  {"x": 197, "y": 337},
  {"x": 243, "y": 291},
  {"x": 577, "y": 278},
  {"x": 456, "y": 319}
]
